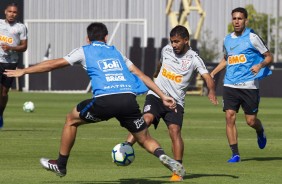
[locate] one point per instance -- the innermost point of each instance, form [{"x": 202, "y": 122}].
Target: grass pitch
[{"x": 26, "y": 137}]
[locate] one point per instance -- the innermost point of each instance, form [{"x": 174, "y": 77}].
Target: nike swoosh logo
[{"x": 231, "y": 48}]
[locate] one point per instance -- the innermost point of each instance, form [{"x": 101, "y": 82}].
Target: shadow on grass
[
  {"x": 261, "y": 159},
  {"x": 191, "y": 176},
  {"x": 23, "y": 130},
  {"x": 121, "y": 181},
  {"x": 145, "y": 181}
]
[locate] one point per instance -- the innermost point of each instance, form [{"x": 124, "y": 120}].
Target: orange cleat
[{"x": 176, "y": 177}]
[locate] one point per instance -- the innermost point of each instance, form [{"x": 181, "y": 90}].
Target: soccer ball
[
  {"x": 123, "y": 154},
  {"x": 28, "y": 106}
]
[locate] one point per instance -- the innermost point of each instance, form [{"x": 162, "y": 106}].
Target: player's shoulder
[
  {"x": 229, "y": 36},
  {"x": 193, "y": 56},
  {"x": 2, "y": 21},
  {"x": 20, "y": 25},
  {"x": 254, "y": 35},
  {"x": 167, "y": 49},
  {"x": 191, "y": 53}
]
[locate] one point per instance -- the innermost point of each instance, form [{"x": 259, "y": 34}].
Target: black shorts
[
  {"x": 123, "y": 107},
  {"x": 155, "y": 106},
  {"x": 233, "y": 98},
  {"x": 4, "y": 80}
]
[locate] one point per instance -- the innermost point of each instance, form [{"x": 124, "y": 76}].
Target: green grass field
[{"x": 26, "y": 137}]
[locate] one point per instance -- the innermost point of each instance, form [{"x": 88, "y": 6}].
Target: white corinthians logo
[
  {"x": 147, "y": 108},
  {"x": 110, "y": 65}
]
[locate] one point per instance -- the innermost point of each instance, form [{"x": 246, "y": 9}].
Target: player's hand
[
  {"x": 212, "y": 97},
  {"x": 255, "y": 69},
  {"x": 169, "y": 102},
  {"x": 5, "y": 47},
  {"x": 14, "y": 73}
]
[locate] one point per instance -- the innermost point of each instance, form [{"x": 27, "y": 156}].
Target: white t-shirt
[
  {"x": 11, "y": 34},
  {"x": 177, "y": 71}
]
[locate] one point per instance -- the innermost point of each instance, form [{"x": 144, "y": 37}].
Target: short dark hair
[
  {"x": 179, "y": 30},
  {"x": 12, "y": 4},
  {"x": 241, "y": 10},
  {"x": 97, "y": 31}
]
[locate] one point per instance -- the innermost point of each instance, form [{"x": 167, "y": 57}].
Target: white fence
[{"x": 57, "y": 31}]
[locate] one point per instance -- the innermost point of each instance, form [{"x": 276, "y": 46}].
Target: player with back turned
[{"x": 113, "y": 78}]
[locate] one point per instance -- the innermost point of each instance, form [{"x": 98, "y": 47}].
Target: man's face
[
  {"x": 179, "y": 44},
  {"x": 238, "y": 22},
  {"x": 11, "y": 13}
]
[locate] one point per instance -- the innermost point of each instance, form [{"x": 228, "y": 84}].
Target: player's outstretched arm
[
  {"x": 168, "y": 101},
  {"x": 44, "y": 66}
]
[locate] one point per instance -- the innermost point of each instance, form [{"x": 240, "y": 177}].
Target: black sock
[
  {"x": 260, "y": 132},
  {"x": 180, "y": 161},
  {"x": 129, "y": 143},
  {"x": 62, "y": 161},
  {"x": 234, "y": 149},
  {"x": 158, "y": 152}
]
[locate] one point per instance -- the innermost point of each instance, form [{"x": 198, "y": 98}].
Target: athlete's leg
[
  {"x": 256, "y": 124},
  {"x": 231, "y": 130},
  {"x": 253, "y": 122},
  {"x": 67, "y": 141},
  {"x": 3, "y": 98},
  {"x": 3, "y": 102},
  {"x": 177, "y": 141},
  {"x": 145, "y": 140},
  {"x": 232, "y": 135},
  {"x": 69, "y": 131},
  {"x": 148, "y": 118},
  {"x": 152, "y": 146}
]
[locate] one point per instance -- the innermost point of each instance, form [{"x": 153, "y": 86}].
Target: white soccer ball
[
  {"x": 28, "y": 106},
  {"x": 123, "y": 154}
]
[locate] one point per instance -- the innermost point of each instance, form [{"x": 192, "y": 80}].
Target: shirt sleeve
[
  {"x": 200, "y": 65},
  {"x": 258, "y": 43},
  {"x": 23, "y": 32},
  {"x": 76, "y": 56},
  {"x": 127, "y": 61}
]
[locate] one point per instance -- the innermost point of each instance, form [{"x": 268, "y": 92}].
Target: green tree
[{"x": 208, "y": 47}]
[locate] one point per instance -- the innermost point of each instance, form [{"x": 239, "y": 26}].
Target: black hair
[
  {"x": 12, "y": 4},
  {"x": 179, "y": 30},
  {"x": 241, "y": 10},
  {"x": 97, "y": 31}
]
